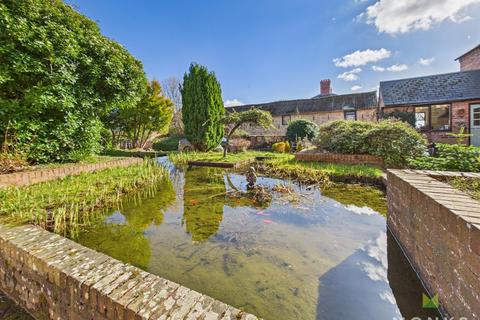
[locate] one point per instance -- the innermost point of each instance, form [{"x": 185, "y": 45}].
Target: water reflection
[
  {"x": 122, "y": 235},
  {"x": 323, "y": 256},
  {"x": 204, "y": 198}
]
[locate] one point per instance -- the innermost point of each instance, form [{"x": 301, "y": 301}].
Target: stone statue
[{"x": 251, "y": 178}]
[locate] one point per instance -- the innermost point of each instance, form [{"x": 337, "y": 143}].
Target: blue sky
[{"x": 265, "y": 50}]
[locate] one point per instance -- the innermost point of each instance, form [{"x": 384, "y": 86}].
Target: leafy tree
[
  {"x": 202, "y": 108},
  {"x": 301, "y": 129},
  {"x": 58, "y": 76},
  {"x": 253, "y": 116},
  {"x": 152, "y": 115}
]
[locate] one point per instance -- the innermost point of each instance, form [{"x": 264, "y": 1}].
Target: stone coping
[
  {"x": 438, "y": 227},
  {"x": 52, "y": 276},
  {"x": 460, "y": 203}
]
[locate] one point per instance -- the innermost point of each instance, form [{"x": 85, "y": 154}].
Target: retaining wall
[
  {"x": 25, "y": 178},
  {"x": 438, "y": 227},
  {"x": 55, "y": 278},
  {"x": 339, "y": 158}
]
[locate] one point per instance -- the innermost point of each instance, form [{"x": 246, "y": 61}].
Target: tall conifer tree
[{"x": 202, "y": 108}]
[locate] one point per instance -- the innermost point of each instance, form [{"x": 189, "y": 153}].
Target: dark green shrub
[
  {"x": 167, "y": 144},
  {"x": 394, "y": 141},
  {"x": 202, "y": 108},
  {"x": 58, "y": 75},
  {"x": 450, "y": 157},
  {"x": 301, "y": 129}
]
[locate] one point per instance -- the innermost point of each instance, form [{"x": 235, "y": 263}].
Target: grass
[
  {"x": 53, "y": 165},
  {"x": 285, "y": 166},
  {"x": 131, "y": 153},
  {"x": 167, "y": 144},
  {"x": 181, "y": 158},
  {"x": 336, "y": 172},
  {"x": 64, "y": 205},
  {"x": 468, "y": 185}
]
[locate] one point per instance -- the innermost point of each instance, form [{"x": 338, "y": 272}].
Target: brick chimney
[
  {"x": 470, "y": 60},
  {"x": 325, "y": 88}
]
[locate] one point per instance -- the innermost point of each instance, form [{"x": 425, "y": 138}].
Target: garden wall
[
  {"x": 438, "y": 228},
  {"x": 339, "y": 158},
  {"x": 41, "y": 175},
  {"x": 55, "y": 278}
]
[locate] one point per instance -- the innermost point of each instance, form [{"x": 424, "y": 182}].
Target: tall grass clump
[{"x": 64, "y": 206}]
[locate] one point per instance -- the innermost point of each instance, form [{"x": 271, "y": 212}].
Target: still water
[{"x": 303, "y": 254}]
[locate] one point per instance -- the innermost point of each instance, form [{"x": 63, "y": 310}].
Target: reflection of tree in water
[
  {"x": 204, "y": 198},
  {"x": 123, "y": 236}
]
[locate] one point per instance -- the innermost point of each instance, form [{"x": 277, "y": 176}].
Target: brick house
[
  {"x": 442, "y": 103},
  {"x": 320, "y": 109}
]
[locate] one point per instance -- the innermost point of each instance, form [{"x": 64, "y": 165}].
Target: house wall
[
  {"x": 460, "y": 117},
  {"x": 317, "y": 117},
  {"x": 470, "y": 61}
]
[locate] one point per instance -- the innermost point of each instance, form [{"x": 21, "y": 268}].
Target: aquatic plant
[{"x": 65, "y": 205}]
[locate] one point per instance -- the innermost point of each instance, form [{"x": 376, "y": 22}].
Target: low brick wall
[
  {"x": 438, "y": 227},
  {"x": 25, "y": 178},
  {"x": 339, "y": 158},
  {"x": 55, "y": 278}
]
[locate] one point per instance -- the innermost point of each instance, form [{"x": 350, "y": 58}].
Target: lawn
[
  {"x": 65, "y": 204},
  {"x": 284, "y": 165},
  {"x": 181, "y": 158}
]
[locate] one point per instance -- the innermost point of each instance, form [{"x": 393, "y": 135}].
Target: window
[
  {"x": 350, "y": 115},
  {"x": 435, "y": 117},
  {"x": 286, "y": 120}
]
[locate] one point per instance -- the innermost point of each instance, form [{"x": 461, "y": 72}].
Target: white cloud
[
  {"x": 360, "y": 58},
  {"x": 233, "y": 103},
  {"x": 355, "y": 88},
  {"x": 378, "y": 69},
  {"x": 392, "y": 68},
  {"x": 402, "y": 16},
  {"x": 351, "y": 75},
  {"x": 397, "y": 67},
  {"x": 426, "y": 61}
]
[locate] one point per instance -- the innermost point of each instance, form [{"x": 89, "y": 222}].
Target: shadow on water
[{"x": 376, "y": 282}]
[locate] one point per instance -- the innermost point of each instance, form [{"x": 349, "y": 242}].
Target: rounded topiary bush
[
  {"x": 301, "y": 129},
  {"x": 394, "y": 141}
]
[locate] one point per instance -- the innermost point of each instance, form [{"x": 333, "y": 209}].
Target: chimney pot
[{"x": 325, "y": 88}]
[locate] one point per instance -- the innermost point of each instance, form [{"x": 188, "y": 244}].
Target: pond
[{"x": 301, "y": 254}]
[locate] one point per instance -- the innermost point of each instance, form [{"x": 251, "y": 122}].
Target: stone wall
[
  {"x": 438, "y": 227},
  {"x": 41, "y": 175},
  {"x": 339, "y": 158},
  {"x": 55, "y": 278}
]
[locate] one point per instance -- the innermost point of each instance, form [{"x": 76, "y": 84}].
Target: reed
[{"x": 64, "y": 206}]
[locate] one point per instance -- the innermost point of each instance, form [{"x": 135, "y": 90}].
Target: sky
[{"x": 268, "y": 50}]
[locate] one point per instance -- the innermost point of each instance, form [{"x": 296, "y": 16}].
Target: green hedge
[
  {"x": 394, "y": 141},
  {"x": 451, "y": 157},
  {"x": 167, "y": 144}
]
